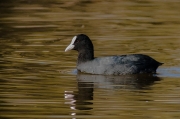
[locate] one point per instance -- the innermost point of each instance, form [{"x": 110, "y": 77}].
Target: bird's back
[{"x": 120, "y": 65}]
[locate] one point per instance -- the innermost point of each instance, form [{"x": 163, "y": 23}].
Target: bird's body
[
  {"x": 120, "y": 65},
  {"x": 110, "y": 65}
]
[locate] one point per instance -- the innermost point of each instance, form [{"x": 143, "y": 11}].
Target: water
[{"x": 39, "y": 80}]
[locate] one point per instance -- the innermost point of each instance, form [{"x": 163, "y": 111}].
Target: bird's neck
[{"x": 85, "y": 55}]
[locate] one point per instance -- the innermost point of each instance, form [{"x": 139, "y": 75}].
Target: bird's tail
[{"x": 160, "y": 63}]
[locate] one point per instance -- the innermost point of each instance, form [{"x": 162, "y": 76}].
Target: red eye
[{"x": 76, "y": 41}]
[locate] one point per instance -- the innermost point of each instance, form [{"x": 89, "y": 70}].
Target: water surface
[{"x": 38, "y": 79}]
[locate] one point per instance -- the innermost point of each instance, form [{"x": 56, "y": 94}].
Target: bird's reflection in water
[
  {"x": 139, "y": 81},
  {"x": 82, "y": 99}
]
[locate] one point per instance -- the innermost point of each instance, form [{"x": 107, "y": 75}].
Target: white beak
[{"x": 71, "y": 46}]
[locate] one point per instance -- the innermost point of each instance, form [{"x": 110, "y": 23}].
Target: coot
[{"x": 111, "y": 65}]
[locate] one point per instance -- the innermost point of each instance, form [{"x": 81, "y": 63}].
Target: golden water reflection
[{"x": 38, "y": 80}]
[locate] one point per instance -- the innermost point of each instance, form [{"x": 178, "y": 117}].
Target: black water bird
[{"x": 110, "y": 65}]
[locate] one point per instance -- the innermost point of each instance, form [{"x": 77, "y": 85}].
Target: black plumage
[{"x": 111, "y": 65}]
